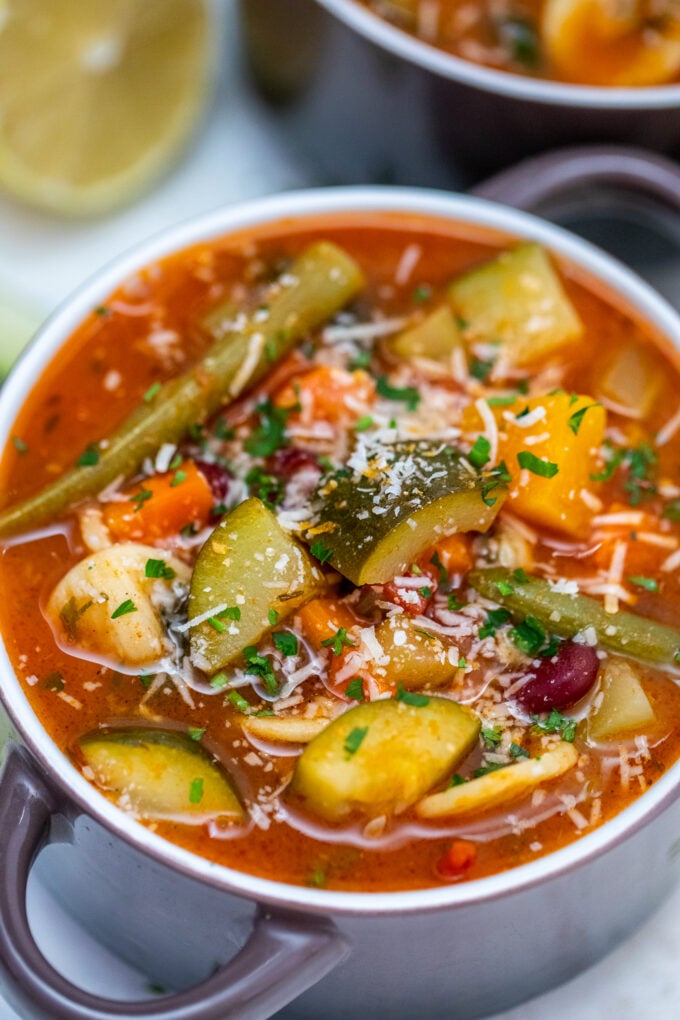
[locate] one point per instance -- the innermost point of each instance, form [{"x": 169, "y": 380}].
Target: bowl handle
[
  {"x": 541, "y": 178},
  {"x": 284, "y": 955}
]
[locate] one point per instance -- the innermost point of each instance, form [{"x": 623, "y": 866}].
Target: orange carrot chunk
[{"x": 161, "y": 506}]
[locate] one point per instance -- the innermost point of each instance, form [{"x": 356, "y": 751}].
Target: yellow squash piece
[
  {"x": 517, "y": 299},
  {"x": 417, "y": 658},
  {"x": 601, "y": 42},
  {"x": 248, "y": 566},
  {"x": 284, "y": 729},
  {"x": 160, "y": 774},
  {"x": 551, "y": 459},
  {"x": 501, "y": 787},
  {"x": 624, "y": 708},
  {"x": 400, "y": 499},
  {"x": 379, "y": 758},
  {"x": 632, "y": 379}
]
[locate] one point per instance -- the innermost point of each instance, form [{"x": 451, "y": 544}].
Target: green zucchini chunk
[
  {"x": 381, "y": 757},
  {"x": 379, "y": 518},
  {"x": 160, "y": 774},
  {"x": 248, "y": 568}
]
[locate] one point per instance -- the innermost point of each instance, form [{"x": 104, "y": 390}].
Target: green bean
[
  {"x": 567, "y": 615},
  {"x": 319, "y": 283}
]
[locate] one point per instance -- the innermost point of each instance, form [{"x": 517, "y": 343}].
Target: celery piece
[
  {"x": 319, "y": 283},
  {"x": 568, "y": 615}
]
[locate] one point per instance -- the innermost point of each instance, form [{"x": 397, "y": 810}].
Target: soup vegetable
[
  {"x": 588, "y": 42},
  {"x": 346, "y": 554}
]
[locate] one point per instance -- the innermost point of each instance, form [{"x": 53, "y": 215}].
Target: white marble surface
[{"x": 41, "y": 260}]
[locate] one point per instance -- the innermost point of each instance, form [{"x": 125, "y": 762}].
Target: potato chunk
[
  {"x": 110, "y": 602},
  {"x": 552, "y": 458},
  {"x": 248, "y": 566},
  {"x": 417, "y": 658},
  {"x": 624, "y": 708},
  {"x": 518, "y": 299},
  {"x": 435, "y": 338},
  {"x": 379, "y": 758},
  {"x": 501, "y": 787},
  {"x": 160, "y": 774}
]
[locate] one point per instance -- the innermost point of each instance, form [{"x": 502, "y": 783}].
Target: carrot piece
[
  {"x": 323, "y": 392},
  {"x": 321, "y": 619},
  {"x": 161, "y": 506},
  {"x": 460, "y": 856},
  {"x": 453, "y": 554}
]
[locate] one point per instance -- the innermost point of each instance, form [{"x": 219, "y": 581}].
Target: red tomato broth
[{"x": 182, "y": 290}]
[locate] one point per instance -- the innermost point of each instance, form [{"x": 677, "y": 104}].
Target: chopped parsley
[
  {"x": 505, "y": 588},
  {"x": 223, "y": 431},
  {"x": 355, "y": 689},
  {"x": 491, "y": 736},
  {"x": 260, "y": 665},
  {"x": 491, "y": 766},
  {"x": 576, "y": 419},
  {"x": 285, "y": 642},
  {"x": 230, "y": 613},
  {"x": 196, "y": 791},
  {"x": 152, "y": 392},
  {"x": 354, "y": 740},
  {"x": 408, "y": 394},
  {"x": 196, "y": 732},
  {"x": 102, "y": 311},
  {"x": 219, "y": 681},
  {"x": 177, "y": 479},
  {"x": 362, "y": 359},
  {"x": 480, "y": 370},
  {"x": 412, "y": 698},
  {"x": 270, "y": 434},
  {"x": 159, "y": 568},
  {"x": 269, "y": 488},
  {"x": 54, "y": 681},
  {"x": 462, "y": 663},
  {"x": 529, "y": 635},
  {"x": 457, "y": 780},
  {"x": 19, "y": 444},
  {"x": 216, "y": 624},
  {"x": 69, "y": 615},
  {"x": 425, "y": 592},
  {"x": 123, "y": 609},
  {"x": 502, "y": 400},
  {"x": 495, "y": 618},
  {"x": 648, "y": 583},
  {"x": 453, "y": 603},
  {"x": 520, "y": 575},
  {"x": 555, "y": 722},
  {"x": 517, "y": 751},
  {"x": 422, "y": 293},
  {"x": 146, "y": 679},
  {"x": 640, "y": 463},
  {"x": 239, "y": 702},
  {"x": 89, "y": 457},
  {"x": 320, "y": 551},
  {"x": 273, "y": 617},
  {"x": 479, "y": 454},
  {"x": 363, "y": 423},
  {"x": 537, "y": 466},
  {"x": 140, "y": 498},
  {"x": 338, "y": 641},
  {"x": 672, "y": 510},
  {"x": 520, "y": 36},
  {"x": 436, "y": 562}
]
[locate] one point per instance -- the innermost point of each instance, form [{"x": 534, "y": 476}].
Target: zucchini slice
[
  {"x": 160, "y": 774},
  {"x": 399, "y": 500},
  {"x": 248, "y": 567},
  {"x": 381, "y": 757}
]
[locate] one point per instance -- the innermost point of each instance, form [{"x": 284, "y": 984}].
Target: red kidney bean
[
  {"x": 217, "y": 477},
  {"x": 290, "y": 460},
  {"x": 561, "y": 681}
]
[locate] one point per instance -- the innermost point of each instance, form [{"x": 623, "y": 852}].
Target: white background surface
[{"x": 41, "y": 261}]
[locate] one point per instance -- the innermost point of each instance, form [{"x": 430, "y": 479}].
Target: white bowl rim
[
  {"x": 490, "y": 79},
  {"x": 221, "y": 222}
]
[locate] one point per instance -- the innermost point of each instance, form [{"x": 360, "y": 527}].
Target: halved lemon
[{"x": 97, "y": 97}]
